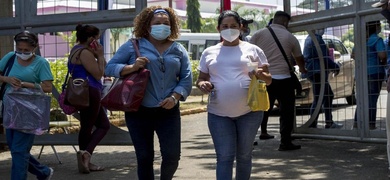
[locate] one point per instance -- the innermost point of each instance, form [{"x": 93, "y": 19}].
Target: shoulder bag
[
  {"x": 6, "y": 71},
  {"x": 297, "y": 85},
  {"x": 126, "y": 94},
  {"x": 67, "y": 109},
  {"x": 77, "y": 90}
]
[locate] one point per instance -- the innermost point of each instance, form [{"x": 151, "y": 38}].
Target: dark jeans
[
  {"x": 20, "y": 144},
  {"x": 93, "y": 116},
  {"x": 281, "y": 90},
  {"x": 326, "y": 104},
  {"x": 166, "y": 123},
  {"x": 374, "y": 88}
]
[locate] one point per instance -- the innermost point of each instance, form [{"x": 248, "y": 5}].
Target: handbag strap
[
  {"x": 6, "y": 71},
  {"x": 67, "y": 74},
  {"x": 135, "y": 45},
  {"x": 281, "y": 48}
]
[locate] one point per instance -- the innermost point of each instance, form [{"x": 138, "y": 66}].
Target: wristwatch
[{"x": 173, "y": 97}]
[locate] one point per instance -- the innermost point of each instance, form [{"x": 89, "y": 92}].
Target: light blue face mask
[{"x": 160, "y": 32}]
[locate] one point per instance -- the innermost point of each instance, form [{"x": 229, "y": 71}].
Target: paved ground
[{"x": 318, "y": 159}]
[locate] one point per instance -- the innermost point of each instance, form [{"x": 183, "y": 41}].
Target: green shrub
[
  {"x": 59, "y": 69},
  {"x": 195, "y": 71}
]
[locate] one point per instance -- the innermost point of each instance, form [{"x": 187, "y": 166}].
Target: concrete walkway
[{"x": 318, "y": 159}]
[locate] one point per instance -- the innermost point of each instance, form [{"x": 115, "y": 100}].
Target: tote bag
[
  {"x": 27, "y": 110},
  {"x": 126, "y": 94},
  {"x": 258, "y": 96}
]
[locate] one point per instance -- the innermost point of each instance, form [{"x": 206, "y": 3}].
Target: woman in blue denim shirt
[{"x": 170, "y": 80}]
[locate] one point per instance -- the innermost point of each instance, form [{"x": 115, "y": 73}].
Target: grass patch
[{"x": 192, "y": 105}]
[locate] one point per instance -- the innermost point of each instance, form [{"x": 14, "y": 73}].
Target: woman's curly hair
[{"x": 143, "y": 19}]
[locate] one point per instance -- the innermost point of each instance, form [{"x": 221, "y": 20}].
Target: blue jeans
[
  {"x": 142, "y": 125},
  {"x": 326, "y": 103},
  {"x": 374, "y": 89},
  {"x": 233, "y": 138},
  {"x": 20, "y": 145}
]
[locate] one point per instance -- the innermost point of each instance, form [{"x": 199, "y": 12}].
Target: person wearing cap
[
  {"x": 156, "y": 29},
  {"x": 384, "y": 4},
  {"x": 29, "y": 70},
  {"x": 245, "y": 30},
  {"x": 281, "y": 88}
]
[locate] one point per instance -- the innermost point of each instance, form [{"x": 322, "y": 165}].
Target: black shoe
[
  {"x": 266, "y": 136},
  {"x": 333, "y": 126},
  {"x": 288, "y": 147},
  {"x": 372, "y": 126}
]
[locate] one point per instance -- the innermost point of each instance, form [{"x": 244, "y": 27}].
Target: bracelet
[
  {"x": 174, "y": 98},
  {"x": 37, "y": 86}
]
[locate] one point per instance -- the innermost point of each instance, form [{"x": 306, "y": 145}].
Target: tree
[
  {"x": 116, "y": 33},
  {"x": 194, "y": 19}
]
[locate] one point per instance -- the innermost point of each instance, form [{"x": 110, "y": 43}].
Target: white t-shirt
[{"x": 228, "y": 70}]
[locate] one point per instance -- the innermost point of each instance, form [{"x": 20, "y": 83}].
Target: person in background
[
  {"x": 282, "y": 88},
  {"x": 86, "y": 61},
  {"x": 156, "y": 30},
  {"x": 224, "y": 73},
  {"x": 245, "y": 30},
  {"x": 376, "y": 63},
  {"x": 312, "y": 64},
  {"x": 384, "y": 4},
  {"x": 28, "y": 71}
]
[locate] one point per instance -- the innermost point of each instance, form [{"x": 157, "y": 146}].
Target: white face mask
[
  {"x": 24, "y": 56},
  {"x": 230, "y": 34}
]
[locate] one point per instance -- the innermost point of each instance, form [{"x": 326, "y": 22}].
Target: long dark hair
[{"x": 83, "y": 32}]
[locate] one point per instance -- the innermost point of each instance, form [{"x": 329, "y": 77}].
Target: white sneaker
[{"x": 51, "y": 174}]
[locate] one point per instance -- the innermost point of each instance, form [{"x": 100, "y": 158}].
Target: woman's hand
[
  {"x": 13, "y": 81},
  {"x": 168, "y": 103},
  {"x": 98, "y": 51},
  {"x": 140, "y": 63},
  {"x": 205, "y": 86},
  {"x": 262, "y": 73}
]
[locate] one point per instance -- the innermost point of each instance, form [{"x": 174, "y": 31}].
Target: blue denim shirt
[
  {"x": 176, "y": 78},
  {"x": 311, "y": 57}
]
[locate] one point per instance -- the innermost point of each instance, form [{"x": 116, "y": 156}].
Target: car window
[{"x": 338, "y": 46}]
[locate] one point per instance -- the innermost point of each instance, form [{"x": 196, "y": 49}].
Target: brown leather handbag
[
  {"x": 77, "y": 91},
  {"x": 126, "y": 94}
]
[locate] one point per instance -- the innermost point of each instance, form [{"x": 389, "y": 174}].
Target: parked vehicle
[
  {"x": 343, "y": 85},
  {"x": 196, "y": 43}
]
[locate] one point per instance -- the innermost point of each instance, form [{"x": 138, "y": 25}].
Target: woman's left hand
[
  {"x": 98, "y": 51},
  {"x": 262, "y": 73},
  {"x": 168, "y": 103}
]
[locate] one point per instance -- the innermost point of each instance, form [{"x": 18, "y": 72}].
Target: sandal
[
  {"x": 83, "y": 159},
  {"x": 93, "y": 167}
]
